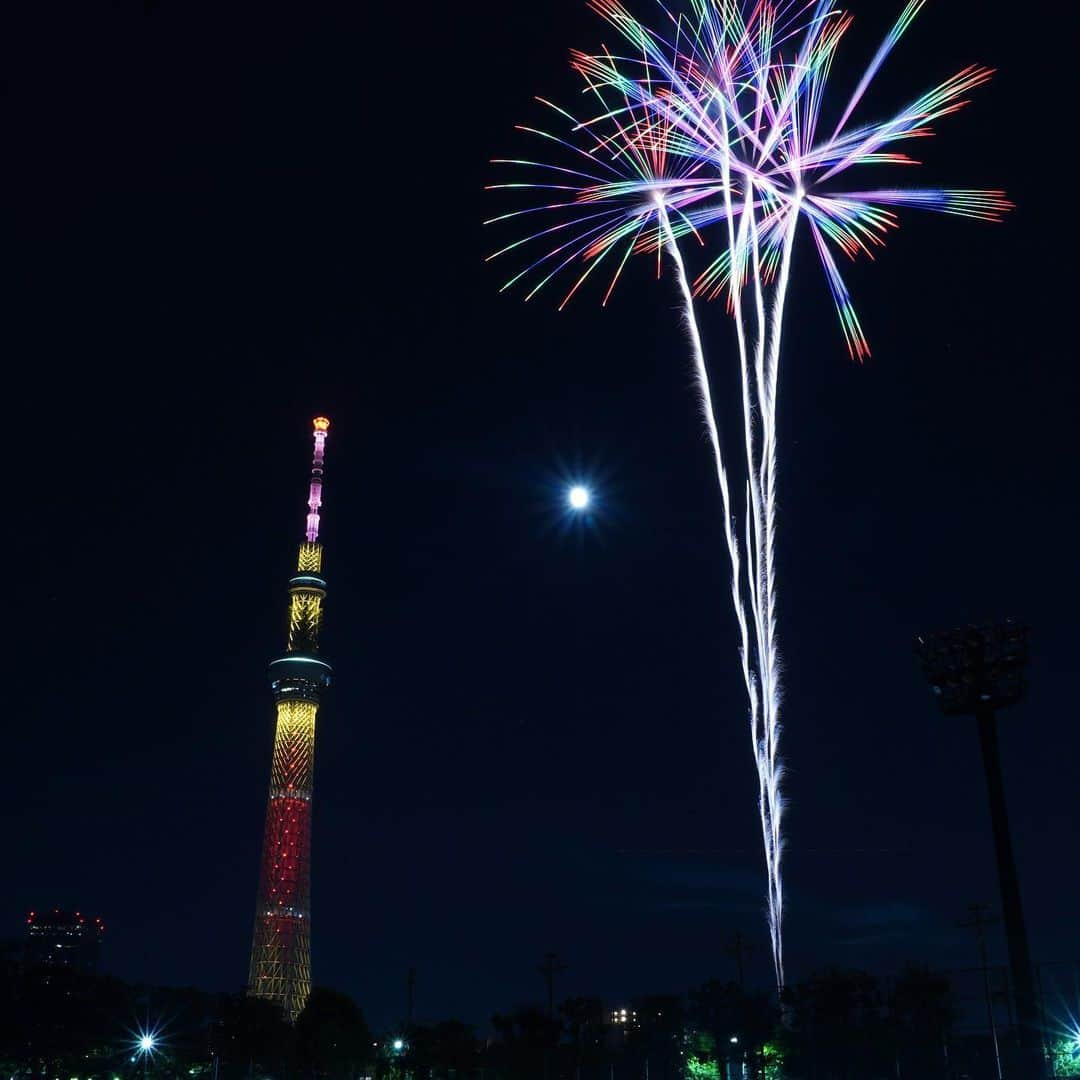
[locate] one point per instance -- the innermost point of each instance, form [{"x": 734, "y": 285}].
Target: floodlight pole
[
  {"x": 1012, "y": 908},
  {"x": 975, "y": 670}
]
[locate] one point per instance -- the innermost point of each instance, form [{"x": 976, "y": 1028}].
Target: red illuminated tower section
[{"x": 281, "y": 950}]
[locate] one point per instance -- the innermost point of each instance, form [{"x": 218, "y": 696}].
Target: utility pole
[
  {"x": 977, "y": 670},
  {"x": 979, "y": 921},
  {"x": 738, "y": 950},
  {"x": 549, "y": 968}
]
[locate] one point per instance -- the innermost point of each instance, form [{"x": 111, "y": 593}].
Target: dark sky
[{"x": 222, "y": 219}]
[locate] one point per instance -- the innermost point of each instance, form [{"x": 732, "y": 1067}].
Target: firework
[{"x": 707, "y": 128}]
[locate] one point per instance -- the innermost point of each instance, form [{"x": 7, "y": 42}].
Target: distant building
[
  {"x": 63, "y": 940},
  {"x": 624, "y": 1018}
]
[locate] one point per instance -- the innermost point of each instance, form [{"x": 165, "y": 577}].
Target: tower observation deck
[{"x": 281, "y": 947}]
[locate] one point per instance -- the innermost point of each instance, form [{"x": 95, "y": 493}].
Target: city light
[
  {"x": 399, "y": 1045},
  {"x": 579, "y": 497},
  {"x": 146, "y": 1042}
]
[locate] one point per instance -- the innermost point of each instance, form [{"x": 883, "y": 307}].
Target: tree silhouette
[{"x": 332, "y": 1036}]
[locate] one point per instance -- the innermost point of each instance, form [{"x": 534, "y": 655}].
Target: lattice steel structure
[{"x": 281, "y": 950}]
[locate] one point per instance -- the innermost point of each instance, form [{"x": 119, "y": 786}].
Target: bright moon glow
[{"x": 579, "y": 497}]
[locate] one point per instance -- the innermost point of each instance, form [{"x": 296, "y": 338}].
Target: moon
[{"x": 578, "y": 497}]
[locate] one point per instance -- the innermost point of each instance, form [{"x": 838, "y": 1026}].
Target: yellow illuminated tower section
[{"x": 281, "y": 949}]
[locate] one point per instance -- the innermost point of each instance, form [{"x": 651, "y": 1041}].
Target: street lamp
[
  {"x": 974, "y": 671},
  {"x": 145, "y": 1044}
]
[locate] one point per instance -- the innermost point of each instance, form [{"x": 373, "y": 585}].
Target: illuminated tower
[{"x": 281, "y": 949}]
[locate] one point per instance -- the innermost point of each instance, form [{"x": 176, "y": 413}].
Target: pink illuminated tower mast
[{"x": 281, "y": 950}]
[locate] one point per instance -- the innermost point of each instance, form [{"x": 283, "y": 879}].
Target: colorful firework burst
[{"x": 716, "y": 120}]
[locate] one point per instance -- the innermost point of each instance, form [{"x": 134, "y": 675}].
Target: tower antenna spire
[{"x": 321, "y": 427}]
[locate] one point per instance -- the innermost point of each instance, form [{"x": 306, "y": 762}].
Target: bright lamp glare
[
  {"x": 579, "y": 497},
  {"x": 398, "y": 1044},
  {"x": 146, "y": 1042}
]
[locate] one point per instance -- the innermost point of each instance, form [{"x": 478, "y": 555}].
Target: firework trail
[{"x": 708, "y": 128}]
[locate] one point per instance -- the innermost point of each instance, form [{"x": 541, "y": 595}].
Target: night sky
[{"x": 220, "y": 220}]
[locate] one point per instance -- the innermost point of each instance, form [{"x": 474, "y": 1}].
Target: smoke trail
[
  {"x": 758, "y": 555},
  {"x": 709, "y": 414},
  {"x": 753, "y": 596},
  {"x": 756, "y": 630},
  {"x": 768, "y": 472}
]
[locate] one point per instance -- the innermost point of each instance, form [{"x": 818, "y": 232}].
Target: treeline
[
  {"x": 839, "y": 1025},
  {"x": 64, "y": 1025}
]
